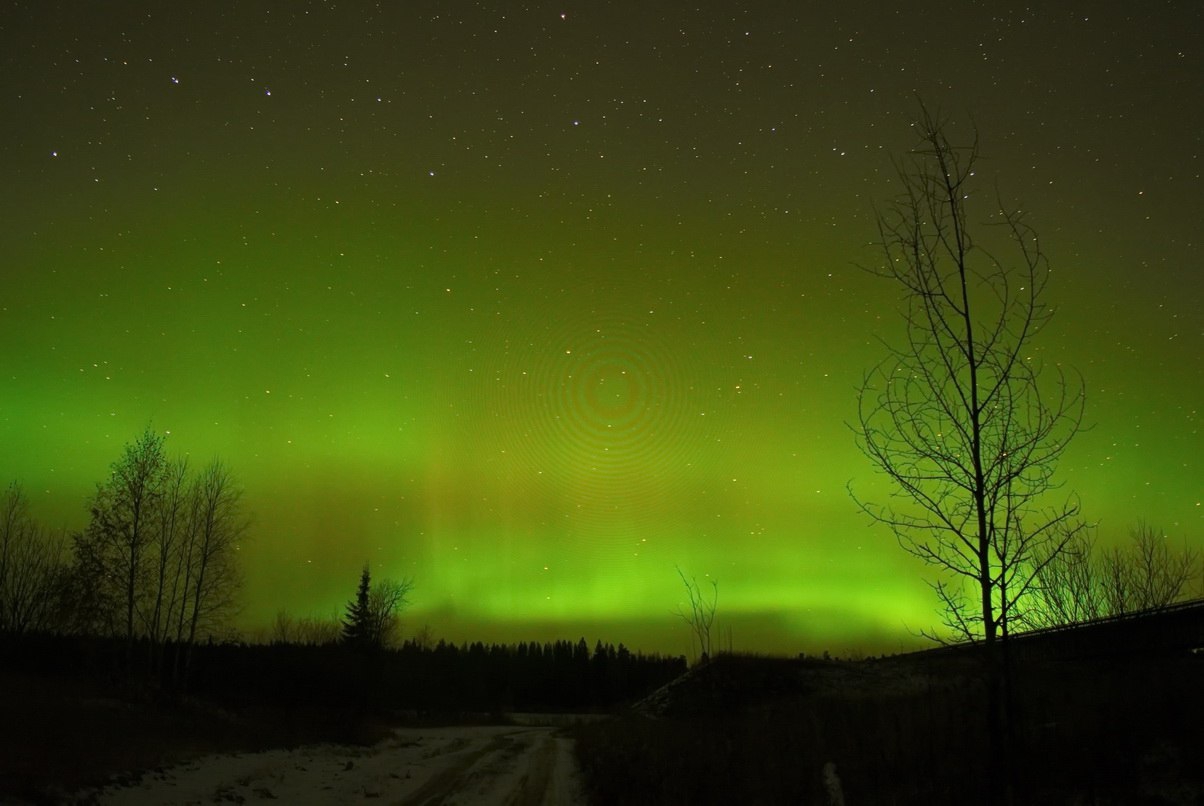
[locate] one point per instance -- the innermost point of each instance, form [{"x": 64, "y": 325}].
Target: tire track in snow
[{"x": 454, "y": 766}]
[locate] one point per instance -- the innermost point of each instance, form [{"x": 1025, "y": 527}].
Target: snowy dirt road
[{"x": 470, "y": 766}]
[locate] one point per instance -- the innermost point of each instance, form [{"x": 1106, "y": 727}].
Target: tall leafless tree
[
  {"x": 208, "y": 576},
  {"x": 170, "y": 530},
  {"x": 958, "y": 417},
  {"x": 701, "y": 614},
  {"x": 386, "y": 600},
  {"x": 122, "y": 526},
  {"x": 212, "y": 574}
]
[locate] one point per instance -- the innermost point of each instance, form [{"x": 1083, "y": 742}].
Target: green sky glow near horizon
[{"x": 535, "y": 305}]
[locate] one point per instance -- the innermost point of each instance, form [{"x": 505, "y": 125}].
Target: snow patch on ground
[{"x": 466, "y": 765}]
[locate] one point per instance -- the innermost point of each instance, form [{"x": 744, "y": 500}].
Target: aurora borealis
[{"x": 535, "y": 303}]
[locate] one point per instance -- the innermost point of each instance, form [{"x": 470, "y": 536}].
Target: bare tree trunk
[
  {"x": 218, "y": 525},
  {"x": 165, "y": 544}
]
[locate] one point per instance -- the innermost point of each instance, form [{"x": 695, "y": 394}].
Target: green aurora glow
[{"x": 535, "y": 307}]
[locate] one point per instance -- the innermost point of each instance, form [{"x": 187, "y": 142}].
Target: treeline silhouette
[
  {"x": 447, "y": 677},
  {"x": 415, "y": 679},
  {"x": 136, "y": 599}
]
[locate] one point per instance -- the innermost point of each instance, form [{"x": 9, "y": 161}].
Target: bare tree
[
  {"x": 284, "y": 628},
  {"x": 208, "y": 577},
  {"x": 1069, "y": 588},
  {"x": 30, "y": 567},
  {"x": 14, "y": 513},
  {"x": 36, "y": 570},
  {"x": 956, "y": 417},
  {"x": 317, "y": 631},
  {"x": 15, "y": 529},
  {"x": 701, "y": 615},
  {"x": 386, "y": 600},
  {"x": 1158, "y": 576},
  {"x": 122, "y": 527},
  {"x": 1080, "y": 583},
  {"x": 170, "y": 529},
  {"x": 91, "y": 598},
  {"x": 306, "y": 630},
  {"x": 212, "y": 578}
]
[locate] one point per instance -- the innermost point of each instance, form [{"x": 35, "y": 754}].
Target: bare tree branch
[{"x": 701, "y": 617}]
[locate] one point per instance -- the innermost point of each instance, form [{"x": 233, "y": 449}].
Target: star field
[{"x": 534, "y": 303}]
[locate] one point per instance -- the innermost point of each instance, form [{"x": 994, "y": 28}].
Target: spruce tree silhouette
[{"x": 357, "y": 626}]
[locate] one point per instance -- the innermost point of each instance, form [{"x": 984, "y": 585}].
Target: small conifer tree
[{"x": 357, "y": 625}]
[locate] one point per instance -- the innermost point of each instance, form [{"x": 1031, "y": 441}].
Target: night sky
[{"x": 533, "y": 302}]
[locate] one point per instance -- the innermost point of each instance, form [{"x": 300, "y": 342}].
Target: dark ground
[
  {"x": 1102, "y": 730},
  {"x": 1114, "y": 730},
  {"x": 58, "y": 734}
]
